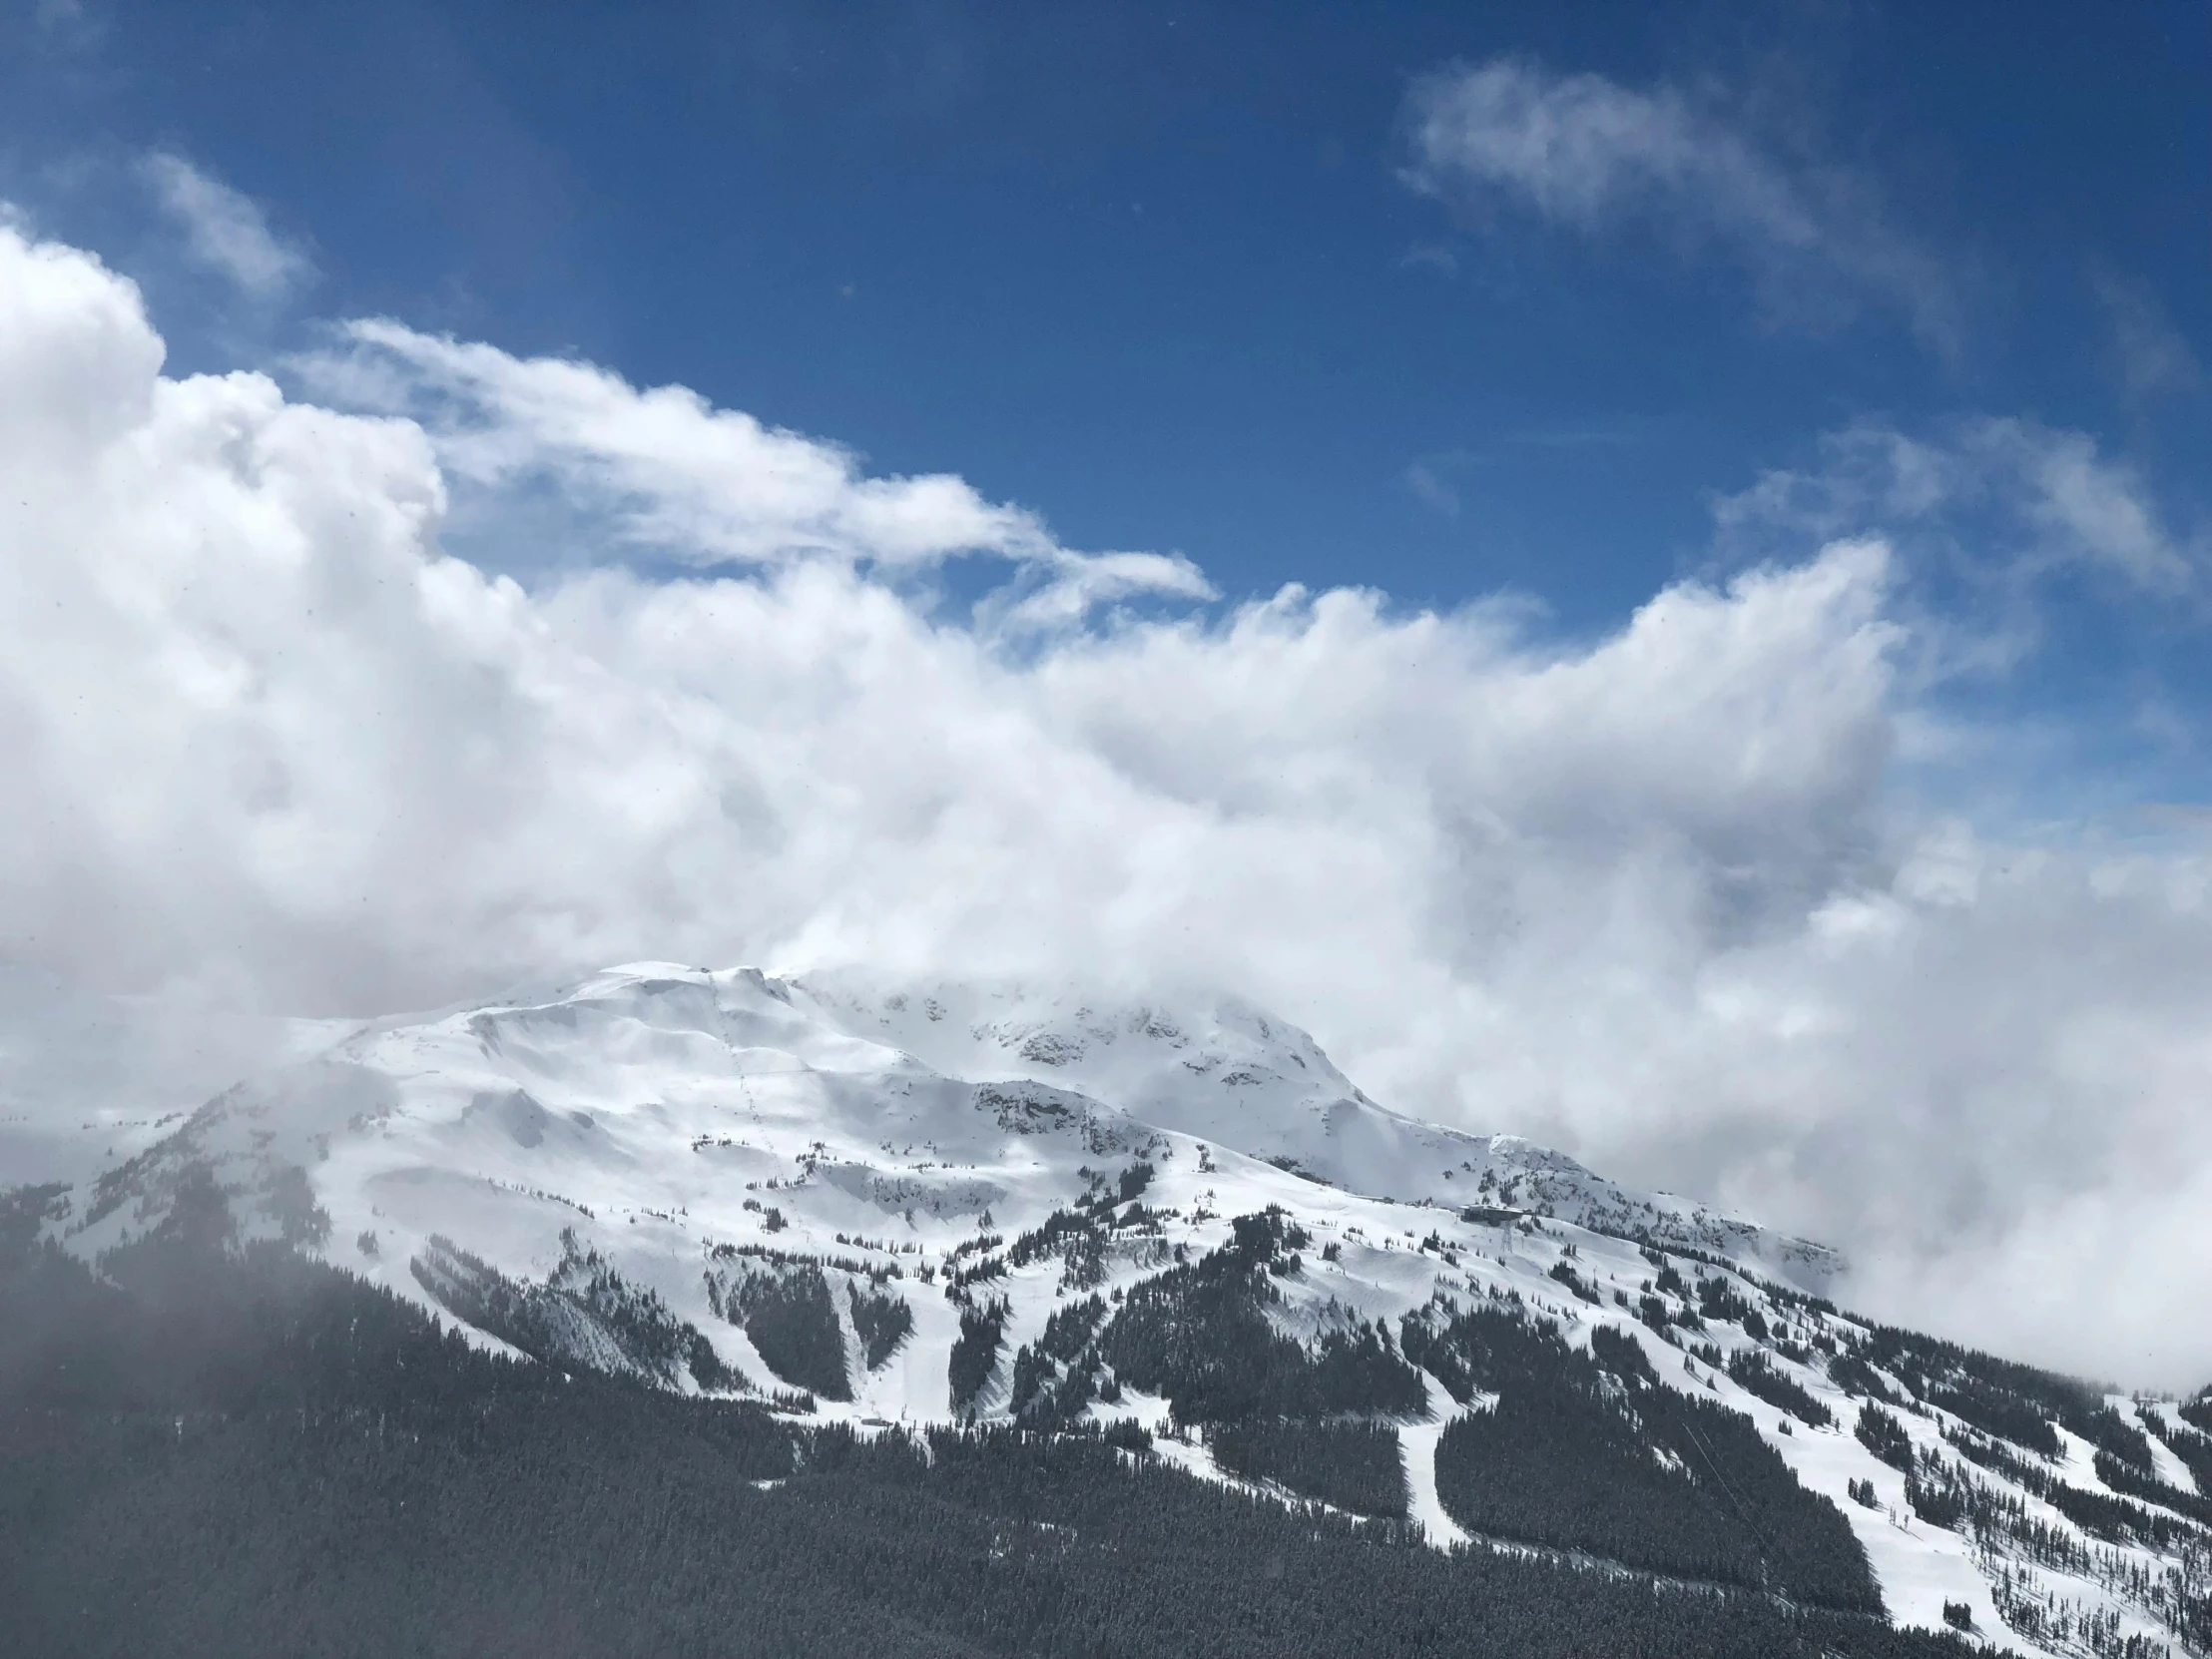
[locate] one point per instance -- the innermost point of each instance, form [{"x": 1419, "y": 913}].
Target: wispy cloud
[
  {"x": 2022, "y": 501},
  {"x": 66, "y": 25},
  {"x": 2150, "y": 355},
  {"x": 1428, "y": 257},
  {"x": 1432, "y": 488},
  {"x": 1590, "y": 154},
  {"x": 227, "y": 231}
]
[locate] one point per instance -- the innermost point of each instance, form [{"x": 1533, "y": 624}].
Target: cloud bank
[{"x": 271, "y": 745}]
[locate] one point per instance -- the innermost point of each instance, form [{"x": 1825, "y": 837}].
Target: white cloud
[
  {"x": 1649, "y": 896},
  {"x": 228, "y": 231},
  {"x": 662, "y": 471},
  {"x": 1592, "y": 155}
]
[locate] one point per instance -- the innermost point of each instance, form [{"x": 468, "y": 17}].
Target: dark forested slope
[{"x": 212, "y": 1450}]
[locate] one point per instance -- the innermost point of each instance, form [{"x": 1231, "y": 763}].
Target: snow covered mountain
[{"x": 910, "y": 1204}]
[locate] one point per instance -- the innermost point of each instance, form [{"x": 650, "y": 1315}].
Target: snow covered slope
[
  {"x": 1225, "y": 1071},
  {"x": 933, "y": 1203}
]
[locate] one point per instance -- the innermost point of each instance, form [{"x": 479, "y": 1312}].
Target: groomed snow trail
[{"x": 1418, "y": 1444}]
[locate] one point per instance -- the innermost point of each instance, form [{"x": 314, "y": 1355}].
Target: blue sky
[
  {"x": 1186, "y": 279},
  {"x": 1159, "y": 274}
]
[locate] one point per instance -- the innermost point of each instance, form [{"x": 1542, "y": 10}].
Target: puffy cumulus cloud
[
  {"x": 270, "y": 747},
  {"x": 228, "y": 231},
  {"x": 1592, "y": 155}
]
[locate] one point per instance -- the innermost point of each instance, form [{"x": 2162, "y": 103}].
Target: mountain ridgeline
[{"x": 688, "y": 1313}]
